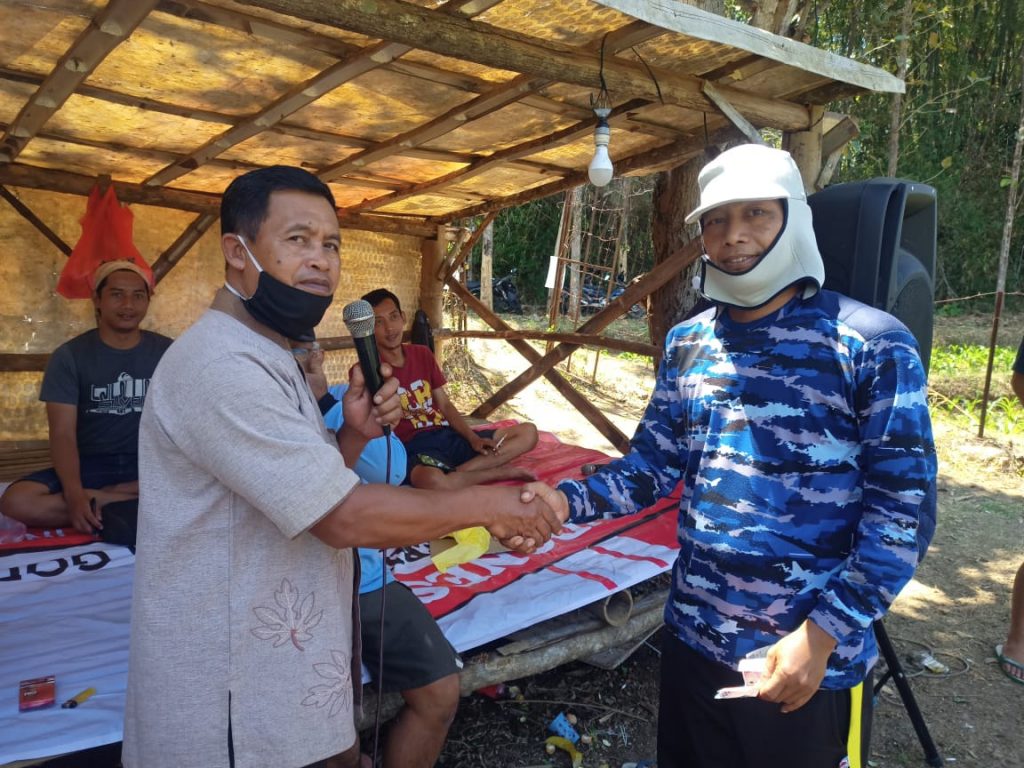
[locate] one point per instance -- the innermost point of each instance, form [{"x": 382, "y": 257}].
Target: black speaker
[{"x": 878, "y": 241}]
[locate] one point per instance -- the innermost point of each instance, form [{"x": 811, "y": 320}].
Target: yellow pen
[{"x": 78, "y": 698}]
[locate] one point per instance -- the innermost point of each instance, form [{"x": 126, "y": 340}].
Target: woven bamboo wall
[{"x": 35, "y": 319}]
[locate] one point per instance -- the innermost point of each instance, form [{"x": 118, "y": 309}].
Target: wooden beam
[
  {"x": 668, "y": 154},
  {"x": 284, "y": 127},
  {"x": 590, "y": 412},
  {"x": 15, "y": 363},
  {"x": 636, "y": 291},
  {"x": 839, "y": 135},
  {"x": 629, "y": 35},
  {"x": 805, "y": 147},
  {"x": 295, "y": 99},
  {"x": 688, "y": 20},
  {"x": 481, "y": 43},
  {"x": 467, "y": 247},
  {"x": 17, "y": 175},
  {"x": 189, "y": 237},
  {"x": 35, "y": 221},
  {"x": 733, "y": 114},
  {"x": 583, "y": 339},
  {"x": 108, "y": 29},
  {"x": 455, "y": 117},
  {"x": 565, "y": 136}
]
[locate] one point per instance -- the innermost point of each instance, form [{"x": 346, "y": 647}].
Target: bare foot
[{"x": 509, "y": 472}]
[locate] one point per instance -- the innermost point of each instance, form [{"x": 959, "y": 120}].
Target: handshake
[{"x": 524, "y": 518}]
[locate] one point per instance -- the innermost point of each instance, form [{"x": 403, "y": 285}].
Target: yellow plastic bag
[{"x": 470, "y": 543}]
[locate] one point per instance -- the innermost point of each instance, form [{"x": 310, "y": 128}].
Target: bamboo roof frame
[
  {"x": 416, "y": 112},
  {"x": 478, "y": 72}
]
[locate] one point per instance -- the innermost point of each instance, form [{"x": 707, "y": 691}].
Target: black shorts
[
  {"x": 442, "y": 447},
  {"x": 697, "y": 731},
  {"x": 416, "y": 652},
  {"x": 97, "y": 472}
]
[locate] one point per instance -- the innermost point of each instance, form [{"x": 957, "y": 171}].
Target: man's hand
[
  {"x": 312, "y": 363},
  {"x": 365, "y": 414},
  {"x": 85, "y": 515},
  {"x": 796, "y": 666},
  {"x": 523, "y": 519},
  {"x": 482, "y": 445}
]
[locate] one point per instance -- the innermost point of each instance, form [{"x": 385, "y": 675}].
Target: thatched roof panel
[{"x": 426, "y": 108}]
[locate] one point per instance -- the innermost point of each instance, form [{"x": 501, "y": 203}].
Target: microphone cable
[{"x": 383, "y": 584}]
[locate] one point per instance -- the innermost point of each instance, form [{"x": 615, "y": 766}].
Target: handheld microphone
[{"x": 358, "y": 317}]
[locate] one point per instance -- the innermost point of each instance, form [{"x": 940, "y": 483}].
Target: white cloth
[
  {"x": 233, "y": 597},
  {"x": 64, "y": 613}
]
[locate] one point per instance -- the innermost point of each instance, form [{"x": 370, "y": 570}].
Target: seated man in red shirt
[{"x": 443, "y": 451}]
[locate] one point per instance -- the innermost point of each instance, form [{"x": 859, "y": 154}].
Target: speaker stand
[{"x": 894, "y": 669}]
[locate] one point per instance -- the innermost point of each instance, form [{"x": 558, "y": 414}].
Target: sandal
[{"x": 1012, "y": 669}]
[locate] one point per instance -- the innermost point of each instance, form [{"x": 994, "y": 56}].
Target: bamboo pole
[
  {"x": 582, "y": 339},
  {"x": 1004, "y": 252}
]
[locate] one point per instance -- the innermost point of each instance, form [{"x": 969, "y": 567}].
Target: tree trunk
[
  {"x": 622, "y": 245},
  {"x": 575, "y": 237},
  {"x": 487, "y": 268},
  {"x": 675, "y": 195},
  {"x": 897, "y": 98}
]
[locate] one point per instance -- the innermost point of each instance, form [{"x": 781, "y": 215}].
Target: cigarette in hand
[{"x": 497, "y": 447}]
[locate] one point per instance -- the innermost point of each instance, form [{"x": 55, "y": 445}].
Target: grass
[{"x": 957, "y": 376}]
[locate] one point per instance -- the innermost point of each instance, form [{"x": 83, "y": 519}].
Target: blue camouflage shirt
[{"x": 805, "y": 451}]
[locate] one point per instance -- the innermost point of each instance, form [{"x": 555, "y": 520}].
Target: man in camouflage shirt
[{"x": 796, "y": 421}]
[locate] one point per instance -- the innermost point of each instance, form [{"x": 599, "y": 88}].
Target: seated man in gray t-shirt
[{"x": 94, "y": 388}]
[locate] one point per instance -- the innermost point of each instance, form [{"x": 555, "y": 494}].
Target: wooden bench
[{"x": 20, "y": 457}]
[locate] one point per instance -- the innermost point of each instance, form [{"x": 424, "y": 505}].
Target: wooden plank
[
  {"x": 733, "y": 114},
  {"x": 583, "y": 339},
  {"x": 839, "y": 135},
  {"x": 691, "y": 21},
  {"x": 20, "y": 363},
  {"x": 483, "y": 44},
  {"x": 108, "y": 29},
  {"x": 18, "y": 175},
  {"x": 636, "y": 291},
  {"x": 189, "y": 237},
  {"x": 35, "y": 221},
  {"x": 590, "y": 412}
]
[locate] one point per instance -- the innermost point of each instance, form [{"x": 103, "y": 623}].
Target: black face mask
[{"x": 292, "y": 312}]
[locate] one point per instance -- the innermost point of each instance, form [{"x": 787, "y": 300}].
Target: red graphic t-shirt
[{"x": 417, "y": 380}]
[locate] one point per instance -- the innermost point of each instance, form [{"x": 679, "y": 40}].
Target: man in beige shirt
[{"x": 243, "y": 650}]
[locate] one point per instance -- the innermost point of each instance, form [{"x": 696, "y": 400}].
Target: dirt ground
[{"x": 956, "y": 608}]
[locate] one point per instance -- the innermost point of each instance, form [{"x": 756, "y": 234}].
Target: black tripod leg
[{"x": 892, "y": 662}]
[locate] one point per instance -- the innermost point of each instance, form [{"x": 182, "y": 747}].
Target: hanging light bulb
[{"x": 600, "y": 169}]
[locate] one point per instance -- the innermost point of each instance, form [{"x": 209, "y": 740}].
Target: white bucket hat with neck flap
[{"x": 757, "y": 172}]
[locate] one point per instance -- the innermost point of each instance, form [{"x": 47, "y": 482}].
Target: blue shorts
[
  {"x": 97, "y": 472},
  {"x": 441, "y": 447}
]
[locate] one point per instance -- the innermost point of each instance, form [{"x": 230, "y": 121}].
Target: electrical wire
[{"x": 383, "y": 583}]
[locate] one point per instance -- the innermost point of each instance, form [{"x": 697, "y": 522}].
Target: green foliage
[
  {"x": 959, "y": 119},
  {"x": 957, "y": 380}
]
